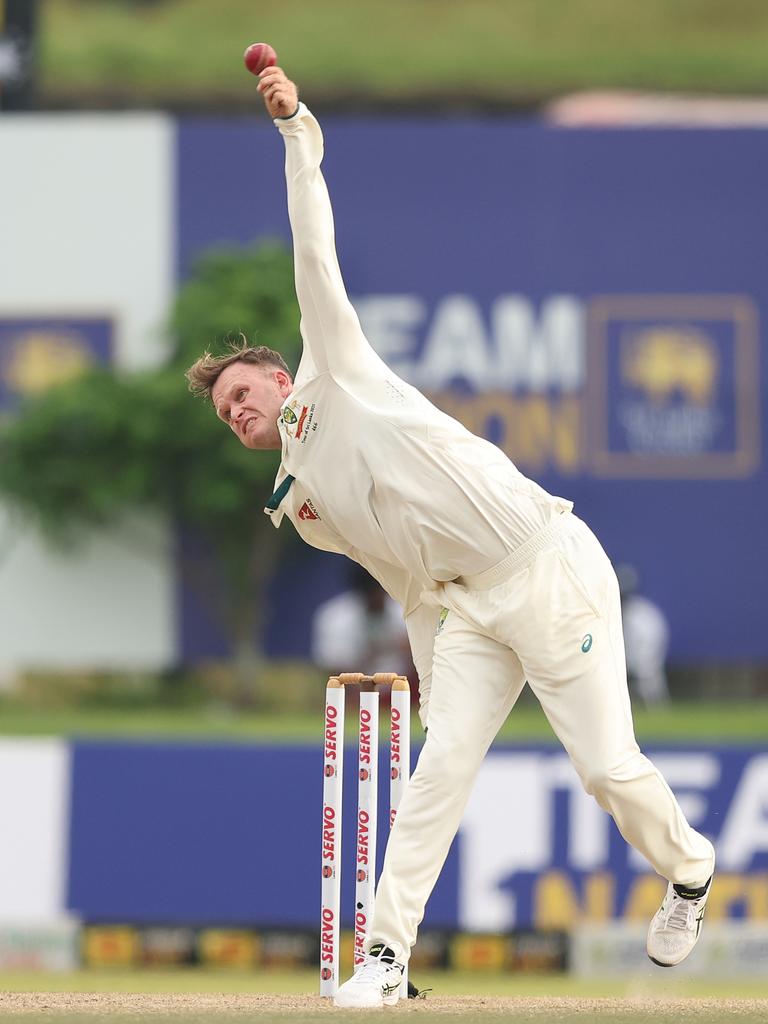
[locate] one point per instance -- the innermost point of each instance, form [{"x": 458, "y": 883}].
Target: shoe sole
[
  {"x": 660, "y": 964},
  {"x": 388, "y": 1001}
]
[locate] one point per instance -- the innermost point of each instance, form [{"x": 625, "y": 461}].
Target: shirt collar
[{"x": 280, "y": 493}]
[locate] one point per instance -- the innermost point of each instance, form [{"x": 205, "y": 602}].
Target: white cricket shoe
[
  {"x": 675, "y": 926},
  {"x": 375, "y": 982}
]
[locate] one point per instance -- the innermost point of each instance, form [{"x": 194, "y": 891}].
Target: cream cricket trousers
[{"x": 557, "y": 624}]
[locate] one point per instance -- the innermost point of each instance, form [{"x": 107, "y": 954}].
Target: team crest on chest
[{"x": 299, "y": 420}]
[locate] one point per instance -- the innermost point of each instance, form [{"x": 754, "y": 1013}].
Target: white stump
[
  {"x": 367, "y": 810},
  {"x": 399, "y": 761},
  {"x": 333, "y": 778}
]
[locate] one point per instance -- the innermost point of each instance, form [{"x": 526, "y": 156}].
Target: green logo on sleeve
[{"x": 586, "y": 643}]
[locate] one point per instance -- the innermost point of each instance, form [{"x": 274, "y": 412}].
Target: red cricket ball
[{"x": 259, "y": 56}]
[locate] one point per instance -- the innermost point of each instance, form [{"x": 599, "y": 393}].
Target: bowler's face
[{"x": 248, "y": 398}]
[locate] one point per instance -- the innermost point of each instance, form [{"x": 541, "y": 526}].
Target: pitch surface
[{"x": 118, "y": 1008}]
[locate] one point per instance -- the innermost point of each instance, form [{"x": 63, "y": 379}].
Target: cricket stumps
[{"x": 367, "y": 807}]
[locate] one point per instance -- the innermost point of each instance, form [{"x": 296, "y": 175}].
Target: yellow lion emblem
[{"x": 664, "y": 361}]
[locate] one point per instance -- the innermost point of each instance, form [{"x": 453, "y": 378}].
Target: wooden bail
[{"x": 378, "y": 679}]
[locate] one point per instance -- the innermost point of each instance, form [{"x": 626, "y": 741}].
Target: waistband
[{"x": 518, "y": 559}]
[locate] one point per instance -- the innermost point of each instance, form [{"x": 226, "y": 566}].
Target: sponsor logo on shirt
[
  {"x": 441, "y": 621},
  {"x": 308, "y": 511}
]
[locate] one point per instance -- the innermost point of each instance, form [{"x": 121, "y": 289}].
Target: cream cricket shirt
[{"x": 370, "y": 468}]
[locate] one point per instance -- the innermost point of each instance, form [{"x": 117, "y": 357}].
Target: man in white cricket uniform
[{"x": 498, "y": 580}]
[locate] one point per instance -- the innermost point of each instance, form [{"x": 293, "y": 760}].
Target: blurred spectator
[
  {"x": 646, "y": 639},
  {"x": 361, "y": 630}
]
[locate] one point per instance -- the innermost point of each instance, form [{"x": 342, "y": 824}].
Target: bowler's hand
[{"x": 281, "y": 97}]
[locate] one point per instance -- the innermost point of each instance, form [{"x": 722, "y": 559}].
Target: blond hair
[{"x": 203, "y": 374}]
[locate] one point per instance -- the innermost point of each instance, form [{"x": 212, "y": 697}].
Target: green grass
[
  {"x": 686, "y": 722},
  {"x": 171, "y": 50},
  {"x": 649, "y": 983},
  {"x": 623, "y": 999}
]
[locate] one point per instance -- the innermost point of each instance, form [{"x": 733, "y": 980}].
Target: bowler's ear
[{"x": 284, "y": 382}]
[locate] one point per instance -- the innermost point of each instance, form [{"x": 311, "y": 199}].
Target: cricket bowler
[{"x": 498, "y": 580}]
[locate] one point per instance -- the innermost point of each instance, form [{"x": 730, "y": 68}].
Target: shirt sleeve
[
  {"x": 330, "y": 329},
  {"x": 420, "y": 619}
]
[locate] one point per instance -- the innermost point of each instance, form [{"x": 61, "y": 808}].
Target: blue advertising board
[
  {"x": 231, "y": 835},
  {"x": 590, "y": 300},
  {"x": 37, "y": 352}
]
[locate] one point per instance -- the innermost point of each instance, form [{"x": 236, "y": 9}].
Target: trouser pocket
[{"x": 577, "y": 584}]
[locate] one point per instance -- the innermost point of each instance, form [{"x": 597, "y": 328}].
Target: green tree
[{"x": 83, "y": 453}]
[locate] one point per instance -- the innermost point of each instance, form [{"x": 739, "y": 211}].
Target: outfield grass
[
  {"x": 651, "y": 982},
  {"x": 199, "y": 997},
  {"x": 401, "y": 49},
  {"x": 683, "y": 722}
]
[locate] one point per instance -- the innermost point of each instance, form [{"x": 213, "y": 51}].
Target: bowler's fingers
[
  {"x": 270, "y": 76},
  {"x": 281, "y": 103},
  {"x": 279, "y": 92},
  {"x": 276, "y": 92}
]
